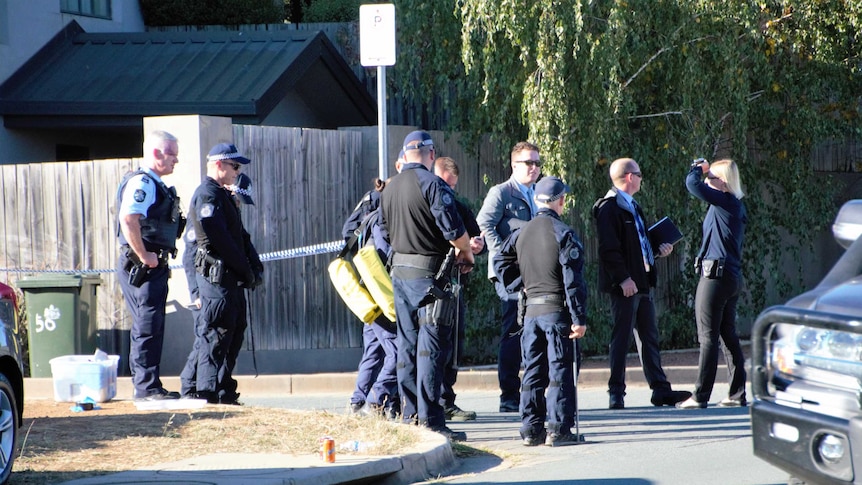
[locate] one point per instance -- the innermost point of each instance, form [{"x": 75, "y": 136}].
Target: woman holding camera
[{"x": 719, "y": 264}]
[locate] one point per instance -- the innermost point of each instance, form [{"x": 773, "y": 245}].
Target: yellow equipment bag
[
  {"x": 357, "y": 298},
  {"x": 376, "y": 279}
]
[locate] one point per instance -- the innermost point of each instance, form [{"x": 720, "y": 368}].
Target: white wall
[{"x": 26, "y": 25}]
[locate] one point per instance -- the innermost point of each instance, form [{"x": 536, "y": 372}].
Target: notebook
[{"x": 664, "y": 231}]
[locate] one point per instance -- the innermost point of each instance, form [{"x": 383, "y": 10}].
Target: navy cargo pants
[
  {"x": 548, "y": 355},
  {"x": 376, "y": 380},
  {"x": 422, "y": 352},
  {"x": 146, "y": 304}
]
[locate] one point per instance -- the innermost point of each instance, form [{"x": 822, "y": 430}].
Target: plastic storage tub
[{"x": 77, "y": 377}]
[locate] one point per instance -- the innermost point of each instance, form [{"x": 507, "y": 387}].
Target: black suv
[{"x": 806, "y": 417}]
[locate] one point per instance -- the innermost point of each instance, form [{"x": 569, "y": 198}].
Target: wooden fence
[{"x": 61, "y": 216}]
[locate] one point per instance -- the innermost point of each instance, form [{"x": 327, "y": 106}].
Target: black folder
[{"x": 664, "y": 231}]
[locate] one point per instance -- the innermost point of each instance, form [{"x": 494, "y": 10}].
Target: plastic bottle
[{"x": 355, "y": 446}]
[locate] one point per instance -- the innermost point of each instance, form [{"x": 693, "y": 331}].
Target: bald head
[{"x": 626, "y": 175}]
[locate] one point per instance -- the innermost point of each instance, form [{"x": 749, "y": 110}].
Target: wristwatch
[{"x": 697, "y": 161}]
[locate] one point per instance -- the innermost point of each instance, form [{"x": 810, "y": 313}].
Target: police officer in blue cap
[
  {"x": 226, "y": 263},
  {"x": 545, "y": 259},
  {"x": 418, "y": 210},
  {"x": 242, "y": 193},
  {"x": 150, "y": 221}
]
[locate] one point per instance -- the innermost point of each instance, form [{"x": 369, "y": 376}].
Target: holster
[
  {"x": 442, "y": 311},
  {"x": 209, "y": 267},
  {"x": 713, "y": 268},
  {"x": 136, "y": 268},
  {"x": 522, "y": 307}
]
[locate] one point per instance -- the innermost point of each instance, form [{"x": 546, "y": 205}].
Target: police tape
[{"x": 312, "y": 250}]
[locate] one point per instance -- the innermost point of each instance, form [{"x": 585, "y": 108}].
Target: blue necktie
[{"x": 646, "y": 247}]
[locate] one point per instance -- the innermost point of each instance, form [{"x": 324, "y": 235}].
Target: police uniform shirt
[
  {"x": 420, "y": 221},
  {"x": 218, "y": 227},
  {"x": 139, "y": 193},
  {"x": 549, "y": 258}
]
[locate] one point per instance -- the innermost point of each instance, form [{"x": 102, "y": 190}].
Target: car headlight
[{"x": 827, "y": 356}]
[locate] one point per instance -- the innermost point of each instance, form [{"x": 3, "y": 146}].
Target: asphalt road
[{"x": 640, "y": 445}]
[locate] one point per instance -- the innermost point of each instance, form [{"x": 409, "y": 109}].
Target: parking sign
[{"x": 377, "y": 34}]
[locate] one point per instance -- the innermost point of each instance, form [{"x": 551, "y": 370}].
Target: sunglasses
[
  {"x": 636, "y": 173},
  {"x": 235, "y": 165},
  {"x": 535, "y": 163}
]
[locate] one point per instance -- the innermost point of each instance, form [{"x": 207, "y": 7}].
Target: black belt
[
  {"x": 556, "y": 300},
  {"x": 418, "y": 261},
  {"x": 161, "y": 254}
]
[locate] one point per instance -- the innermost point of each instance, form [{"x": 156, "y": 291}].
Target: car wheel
[{"x": 8, "y": 428}]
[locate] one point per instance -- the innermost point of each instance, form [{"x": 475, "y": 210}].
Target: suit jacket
[
  {"x": 620, "y": 254},
  {"x": 505, "y": 209}
]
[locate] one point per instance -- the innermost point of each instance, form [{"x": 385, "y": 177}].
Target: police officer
[
  {"x": 150, "y": 221},
  {"x": 376, "y": 390},
  {"x": 225, "y": 263},
  {"x": 418, "y": 210},
  {"x": 447, "y": 169},
  {"x": 241, "y": 192},
  {"x": 547, "y": 259}
]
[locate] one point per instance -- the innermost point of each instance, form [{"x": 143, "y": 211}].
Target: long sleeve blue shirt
[{"x": 724, "y": 224}]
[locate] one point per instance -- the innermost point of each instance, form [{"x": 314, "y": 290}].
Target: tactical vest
[{"x": 164, "y": 222}]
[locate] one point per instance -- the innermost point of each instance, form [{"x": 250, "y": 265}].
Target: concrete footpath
[{"x": 433, "y": 457}]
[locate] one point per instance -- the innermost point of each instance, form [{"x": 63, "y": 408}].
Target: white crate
[{"x": 77, "y": 377}]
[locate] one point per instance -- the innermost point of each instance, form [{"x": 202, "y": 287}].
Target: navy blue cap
[
  {"x": 226, "y": 151},
  {"x": 549, "y": 189},
  {"x": 420, "y": 136}
]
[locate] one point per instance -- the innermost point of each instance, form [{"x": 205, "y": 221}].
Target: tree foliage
[
  {"x": 761, "y": 81},
  {"x": 211, "y": 12}
]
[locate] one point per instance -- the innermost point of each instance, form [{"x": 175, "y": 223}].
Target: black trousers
[
  {"x": 715, "y": 313},
  {"x": 635, "y": 316}
]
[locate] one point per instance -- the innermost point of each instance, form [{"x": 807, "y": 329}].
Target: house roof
[{"x": 113, "y": 80}]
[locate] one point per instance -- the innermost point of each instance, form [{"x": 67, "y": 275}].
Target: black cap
[
  {"x": 549, "y": 189},
  {"x": 420, "y": 136}
]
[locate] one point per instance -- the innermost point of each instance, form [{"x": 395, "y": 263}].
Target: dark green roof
[{"x": 114, "y": 79}]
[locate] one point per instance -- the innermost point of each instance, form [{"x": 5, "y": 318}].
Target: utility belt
[
  {"x": 555, "y": 300},
  {"x": 162, "y": 254},
  {"x": 138, "y": 271},
  {"x": 209, "y": 266},
  {"x": 558, "y": 301},
  {"x": 709, "y": 268},
  {"x": 412, "y": 266},
  {"x": 441, "y": 301}
]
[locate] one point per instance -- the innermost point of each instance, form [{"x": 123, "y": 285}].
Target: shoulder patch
[
  {"x": 575, "y": 253},
  {"x": 205, "y": 211},
  {"x": 190, "y": 235},
  {"x": 446, "y": 198},
  {"x": 145, "y": 179},
  {"x": 139, "y": 195}
]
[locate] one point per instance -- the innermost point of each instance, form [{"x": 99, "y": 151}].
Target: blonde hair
[{"x": 727, "y": 170}]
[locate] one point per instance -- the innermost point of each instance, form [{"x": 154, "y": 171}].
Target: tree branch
[{"x": 656, "y": 115}]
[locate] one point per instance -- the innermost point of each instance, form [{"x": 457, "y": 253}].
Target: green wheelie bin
[{"x": 61, "y": 317}]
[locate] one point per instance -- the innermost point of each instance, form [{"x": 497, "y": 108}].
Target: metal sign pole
[
  {"x": 377, "y": 48},
  {"x": 382, "y": 132}
]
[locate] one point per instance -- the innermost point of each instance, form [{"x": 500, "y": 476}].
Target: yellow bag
[
  {"x": 357, "y": 298},
  {"x": 376, "y": 279}
]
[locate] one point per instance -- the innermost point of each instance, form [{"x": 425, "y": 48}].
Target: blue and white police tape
[{"x": 314, "y": 249}]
